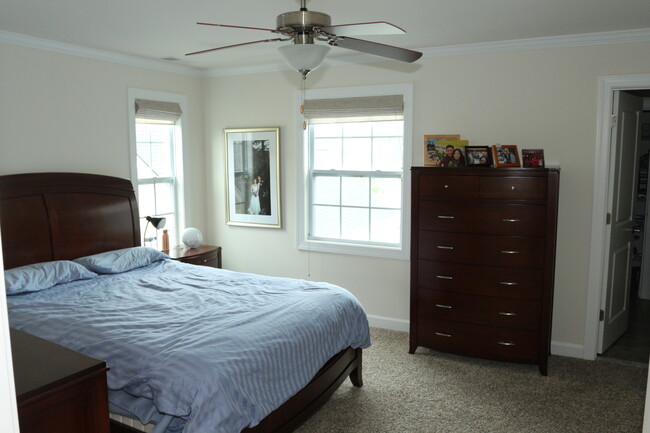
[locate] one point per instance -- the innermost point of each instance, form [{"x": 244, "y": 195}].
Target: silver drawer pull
[
  {"x": 446, "y": 186},
  {"x": 449, "y": 307},
  {"x": 512, "y": 188},
  {"x": 506, "y": 313},
  {"x": 440, "y": 334},
  {"x": 508, "y": 283},
  {"x": 510, "y": 220},
  {"x": 506, "y": 343},
  {"x": 443, "y": 247},
  {"x": 444, "y": 277},
  {"x": 510, "y": 252},
  {"x": 445, "y": 217}
]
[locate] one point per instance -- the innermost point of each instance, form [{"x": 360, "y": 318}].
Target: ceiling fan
[{"x": 304, "y": 27}]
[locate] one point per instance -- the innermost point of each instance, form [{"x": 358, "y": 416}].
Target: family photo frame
[
  {"x": 478, "y": 156},
  {"x": 505, "y": 156},
  {"x": 253, "y": 177}
]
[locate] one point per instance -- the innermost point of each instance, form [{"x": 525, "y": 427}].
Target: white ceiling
[{"x": 157, "y": 29}]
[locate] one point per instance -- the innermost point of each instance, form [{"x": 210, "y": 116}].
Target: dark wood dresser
[
  {"x": 205, "y": 255},
  {"x": 483, "y": 261},
  {"x": 58, "y": 390}
]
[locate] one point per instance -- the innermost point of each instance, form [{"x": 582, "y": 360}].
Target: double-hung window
[
  {"x": 157, "y": 134},
  {"x": 354, "y": 173}
]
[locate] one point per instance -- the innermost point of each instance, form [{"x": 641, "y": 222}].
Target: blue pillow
[
  {"x": 40, "y": 276},
  {"x": 114, "y": 262}
]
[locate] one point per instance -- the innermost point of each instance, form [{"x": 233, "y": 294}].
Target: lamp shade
[
  {"x": 192, "y": 237},
  {"x": 304, "y": 57},
  {"x": 157, "y": 222}
]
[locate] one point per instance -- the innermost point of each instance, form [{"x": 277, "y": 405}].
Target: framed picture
[
  {"x": 505, "y": 156},
  {"x": 253, "y": 177},
  {"x": 478, "y": 156},
  {"x": 532, "y": 158},
  {"x": 454, "y": 153},
  {"x": 433, "y": 152}
]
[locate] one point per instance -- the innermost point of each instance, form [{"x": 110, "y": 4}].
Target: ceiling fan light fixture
[{"x": 304, "y": 57}]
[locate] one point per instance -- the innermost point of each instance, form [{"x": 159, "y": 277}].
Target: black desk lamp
[{"x": 157, "y": 223}]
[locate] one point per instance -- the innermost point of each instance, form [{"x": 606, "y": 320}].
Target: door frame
[{"x": 607, "y": 85}]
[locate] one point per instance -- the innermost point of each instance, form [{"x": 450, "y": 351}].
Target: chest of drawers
[{"x": 482, "y": 261}]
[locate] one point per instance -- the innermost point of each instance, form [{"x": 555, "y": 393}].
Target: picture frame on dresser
[
  {"x": 433, "y": 152},
  {"x": 505, "y": 156},
  {"x": 478, "y": 156},
  {"x": 253, "y": 177}
]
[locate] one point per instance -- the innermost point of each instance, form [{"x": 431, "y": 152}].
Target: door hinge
[
  {"x": 602, "y": 315},
  {"x": 613, "y": 121},
  {"x": 608, "y": 219}
]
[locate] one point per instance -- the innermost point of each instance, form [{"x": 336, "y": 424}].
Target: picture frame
[
  {"x": 505, "y": 156},
  {"x": 478, "y": 156},
  {"x": 532, "y": 158},
  {"x": 253, "y": 177},
  {"x": 433, "y": 152}
]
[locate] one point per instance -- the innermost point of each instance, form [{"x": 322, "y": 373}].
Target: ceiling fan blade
[
  {"x": 244, "y": 27},
  {"x": 364, "y": 29},
  {"x": 235, "y": 45},
  {"x": 389, "y": 51}
]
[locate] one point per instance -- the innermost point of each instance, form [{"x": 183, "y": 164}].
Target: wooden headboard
[{"x": 63, "y": 216}]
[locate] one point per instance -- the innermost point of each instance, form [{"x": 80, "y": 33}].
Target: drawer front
[
  {"x": 481, "y": 280},
  {"x": 481, "y": 249},
  {"x": 480, "y": 341},
  {"x": 209, "y": 259},
  {"x": 449, "y": 186},
  {"x": 496, "y": 219},
  {"x": 513, "y": 188},
  {"x": 480, "y": 310}
]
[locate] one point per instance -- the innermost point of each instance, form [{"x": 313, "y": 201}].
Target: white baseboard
[
  {"x": 557, "y": 347},
  {"x": 388, "y": 323}
]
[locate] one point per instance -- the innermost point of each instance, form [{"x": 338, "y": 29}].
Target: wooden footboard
[{"x": 308, "y": 400}]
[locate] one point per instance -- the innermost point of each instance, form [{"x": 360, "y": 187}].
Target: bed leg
[{"x": 355, "y": 375}]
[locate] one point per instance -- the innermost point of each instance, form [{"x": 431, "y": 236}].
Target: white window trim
[
  {"x": 179, "y": 161},
  {"x": 403, "y": 253}
]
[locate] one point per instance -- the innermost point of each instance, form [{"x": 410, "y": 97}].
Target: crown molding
[
  {"x": 95, "y": 54},
  {"x": 584, "y": 39}
]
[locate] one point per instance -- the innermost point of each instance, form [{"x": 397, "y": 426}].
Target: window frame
[
  {"x": 179, "y": 145},
  {"x": 304, "y": 179}
]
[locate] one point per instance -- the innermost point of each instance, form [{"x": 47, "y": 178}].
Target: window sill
[{"x": 355, "y": 250}]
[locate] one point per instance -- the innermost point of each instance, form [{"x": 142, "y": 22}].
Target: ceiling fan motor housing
[{"x": 302, "y": 22}]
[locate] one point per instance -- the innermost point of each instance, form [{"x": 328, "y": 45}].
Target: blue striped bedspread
[{"x": 217, "y": 350}]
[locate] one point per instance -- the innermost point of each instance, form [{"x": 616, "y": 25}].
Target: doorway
[{"x": 634, "y": 344}]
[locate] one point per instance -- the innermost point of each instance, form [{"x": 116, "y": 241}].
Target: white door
[{"x": 624, "y": 140}]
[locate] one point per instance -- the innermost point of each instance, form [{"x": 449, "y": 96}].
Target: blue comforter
[{"x": 209, "y": 349}]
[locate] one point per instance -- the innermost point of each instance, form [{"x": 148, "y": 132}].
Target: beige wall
[
  {"x": 65, "y": 113},
  {"x": 539, "y": 98}
]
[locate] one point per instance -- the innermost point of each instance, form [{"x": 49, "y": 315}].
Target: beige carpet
[{"x": 434, "y": 392}]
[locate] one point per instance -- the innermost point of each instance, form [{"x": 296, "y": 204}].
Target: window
[
  {"x": 355, "y": 181},
  {"x": 157, "y": 154}
]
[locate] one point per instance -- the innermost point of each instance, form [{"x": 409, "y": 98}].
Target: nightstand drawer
[
  {"x": 481, "y": 280},
  {"x": 481, "y": 249},
  {"x": 513, "y": 188},
  {"x": 211, "y": 259},
  {"x": 205, "y": 255},
  {"x": 489, "y": 311},
  {"x": 475, "y": 340},
  {"x": 496, "y": 219}
]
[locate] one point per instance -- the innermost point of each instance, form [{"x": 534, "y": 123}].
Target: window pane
[
  {"x": 355, "y": 191},
  {"x": 327, "y": 190},
  {"x": 357, "y": 129},
  {"x": 146, "y": 200},
  {"x": 164, "y": 198},
  {"x": 356, "y": 154},
  {"x": 387, "y": 154},
  {"x": 326, "y": 222},
  {"x": 327, "y": 154},
  {"x": 391, "y": 128},
  {"x": 327, "y": 130},
  {"x": 386, "y": 192},
  {"x": 354, "y": 224},
  {"x": 385, "y": 226}
]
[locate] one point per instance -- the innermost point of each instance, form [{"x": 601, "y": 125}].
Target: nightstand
[
  {"x": 58, "y": 390},
  {"x": 205, "y": 255}
]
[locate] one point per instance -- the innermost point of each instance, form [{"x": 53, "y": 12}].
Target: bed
[{"x": 48, "y": 217}]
